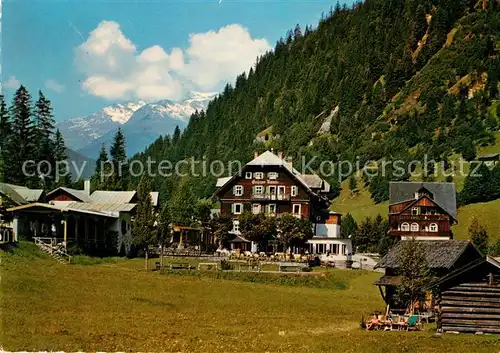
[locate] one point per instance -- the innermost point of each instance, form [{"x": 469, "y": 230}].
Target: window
[
  {"x": 281, "y": 190},
  {"x": 256, "y": 207},
  {"x": 258, "y": 175},
  {"x": 238, "y": 190},
  {"x": 237, "y": 208},
  {"x": 405, "y": 227},
  {"x": 296, "y": 209},
  {"x": 272, "y": 175},
  {"x": 415, "y": 211},
  {"x": 295, "y": 190},
  {"x": 271, "y": 208},
  {"x": 344, "y": 249},
  {"x": 434, "y": 227},
  {"x": 124, "y": 227},
  {"x": 248, "y": 175},
  {"x": 414, "y": 227},
  {"x": 258, "y": 190},
  {"x": 236, "y": 226}
]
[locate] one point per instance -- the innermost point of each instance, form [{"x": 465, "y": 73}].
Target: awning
[
  {"x": 37, "y": 206},
  {"x": 239, "y": 239}
]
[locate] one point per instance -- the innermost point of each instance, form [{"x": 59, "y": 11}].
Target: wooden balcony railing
[{"x": 271, "y": 197}]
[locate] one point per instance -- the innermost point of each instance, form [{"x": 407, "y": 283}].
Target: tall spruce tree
[
  {"x": 5, "y": 132},
  {"x": 44, "y": 131},
  {"x": 143, "y": 232},
  {"x": 64, "y": 174},
  {"x": 21, "y": 149},
  {"x": 100, "y": 177},
  {"x": 119, "y": 158}
]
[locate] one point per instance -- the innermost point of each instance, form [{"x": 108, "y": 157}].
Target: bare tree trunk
[
  {"x": 146, "y": 257},
  {"x": 161, "y": 257}
]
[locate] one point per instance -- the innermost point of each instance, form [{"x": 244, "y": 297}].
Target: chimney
[
  {"x": 255, "y": 154},
  {"x": 86, "y": 186},
  {"x": 280, "y": 154}
]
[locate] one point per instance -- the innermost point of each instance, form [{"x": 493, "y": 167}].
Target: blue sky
[{"x": 85, "y": 55}]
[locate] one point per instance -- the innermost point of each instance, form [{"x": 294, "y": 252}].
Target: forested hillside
[{"x": 408, "y": 77}]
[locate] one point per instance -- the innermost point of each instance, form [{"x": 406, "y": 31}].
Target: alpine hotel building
[{"x": 269, "y": 184}]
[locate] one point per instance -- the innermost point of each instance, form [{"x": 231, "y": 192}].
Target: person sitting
[{"x": 373, "y": 324}]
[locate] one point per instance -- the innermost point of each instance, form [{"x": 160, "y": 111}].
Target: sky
[{"x": 87, "y": 54}]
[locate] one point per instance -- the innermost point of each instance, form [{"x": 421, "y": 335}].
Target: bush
[{"x": 225, "y": 265}]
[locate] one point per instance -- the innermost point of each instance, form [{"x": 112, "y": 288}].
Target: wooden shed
[{"x": 468, "y": 299}]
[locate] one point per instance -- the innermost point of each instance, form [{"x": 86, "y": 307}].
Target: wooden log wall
[{"x": 470, "y": 308}]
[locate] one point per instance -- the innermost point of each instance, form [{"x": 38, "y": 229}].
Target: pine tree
[
  {"x": 143, "y": 231},
  {"x": 478, "y": 236},
  {"x": 415, "y": 274},
  {"x": 21, "y": 149},
  {"x": 5, "y": 132},
  {"x": 44, "y": 130},
  {"x": 60, "y": 157},
  {"x": 100, "y": 177},
  {"x": 118, "y": 155}
]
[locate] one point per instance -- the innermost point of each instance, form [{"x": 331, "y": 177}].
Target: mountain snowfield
[{"x": 141, "y": 122}]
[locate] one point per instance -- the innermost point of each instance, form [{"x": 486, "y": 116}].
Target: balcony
[
  {"x": 271, "y": 197},
  {"x": 422, "y": 217},
  {"x": 400, "y": 233}
]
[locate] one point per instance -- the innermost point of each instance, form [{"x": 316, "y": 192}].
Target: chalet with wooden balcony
[
  {"x": 270, "y": 184},
  {"x": 426, "y": 211}
]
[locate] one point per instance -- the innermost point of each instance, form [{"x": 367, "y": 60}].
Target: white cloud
[
  {"x": 12, "y": 82},
  {"x": 55, "y": 86},
  {"x": 115, "y": 69}
]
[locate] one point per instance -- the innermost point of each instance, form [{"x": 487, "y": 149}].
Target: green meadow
[{"x": 115, "y": 305}]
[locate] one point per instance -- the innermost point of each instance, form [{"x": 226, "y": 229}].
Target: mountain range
[{"x": 140, "y": 121}]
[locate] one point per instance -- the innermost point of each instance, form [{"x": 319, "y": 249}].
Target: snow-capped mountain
[
  {"x": 141, "y": 123},
  {"x": 82, "y": 131}
]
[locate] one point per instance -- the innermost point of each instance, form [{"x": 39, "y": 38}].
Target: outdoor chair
[{"x": 413, "y": 323}]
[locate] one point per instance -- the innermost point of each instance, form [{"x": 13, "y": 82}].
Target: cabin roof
[
  {"x": 473, "y": 266},
  {"x": 444, "y": 194},
  {"x": 114, "y": 197},
  {"x": 78, "y": 194},
  {"x": 102, "y": 207},
  {"x": 20, "y": 194},
  {"x": 438, "y": 253}
]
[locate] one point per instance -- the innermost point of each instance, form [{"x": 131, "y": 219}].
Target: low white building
[{"x": 329, "y": 241}]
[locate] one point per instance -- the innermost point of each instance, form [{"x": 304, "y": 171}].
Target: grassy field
[
  {"x": 488, "y": 213},
  {"x": 117, "y": 306},
  {"x": 360, "y": 205}
]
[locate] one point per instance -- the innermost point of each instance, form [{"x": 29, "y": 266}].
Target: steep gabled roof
[
  {"x": 444, "y": 194},
  {"x": 81, "y": 195},
  {"x": 439, "y": 253},
  {"x": 268, "y": 158}
]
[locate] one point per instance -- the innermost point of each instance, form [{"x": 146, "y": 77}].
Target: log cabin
[
  {"x": 442, "y": 257},
  {"x": 270, "y": 184},
  {"x": 425, "y": 211},
  {"x": 468, "y": 299}
]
